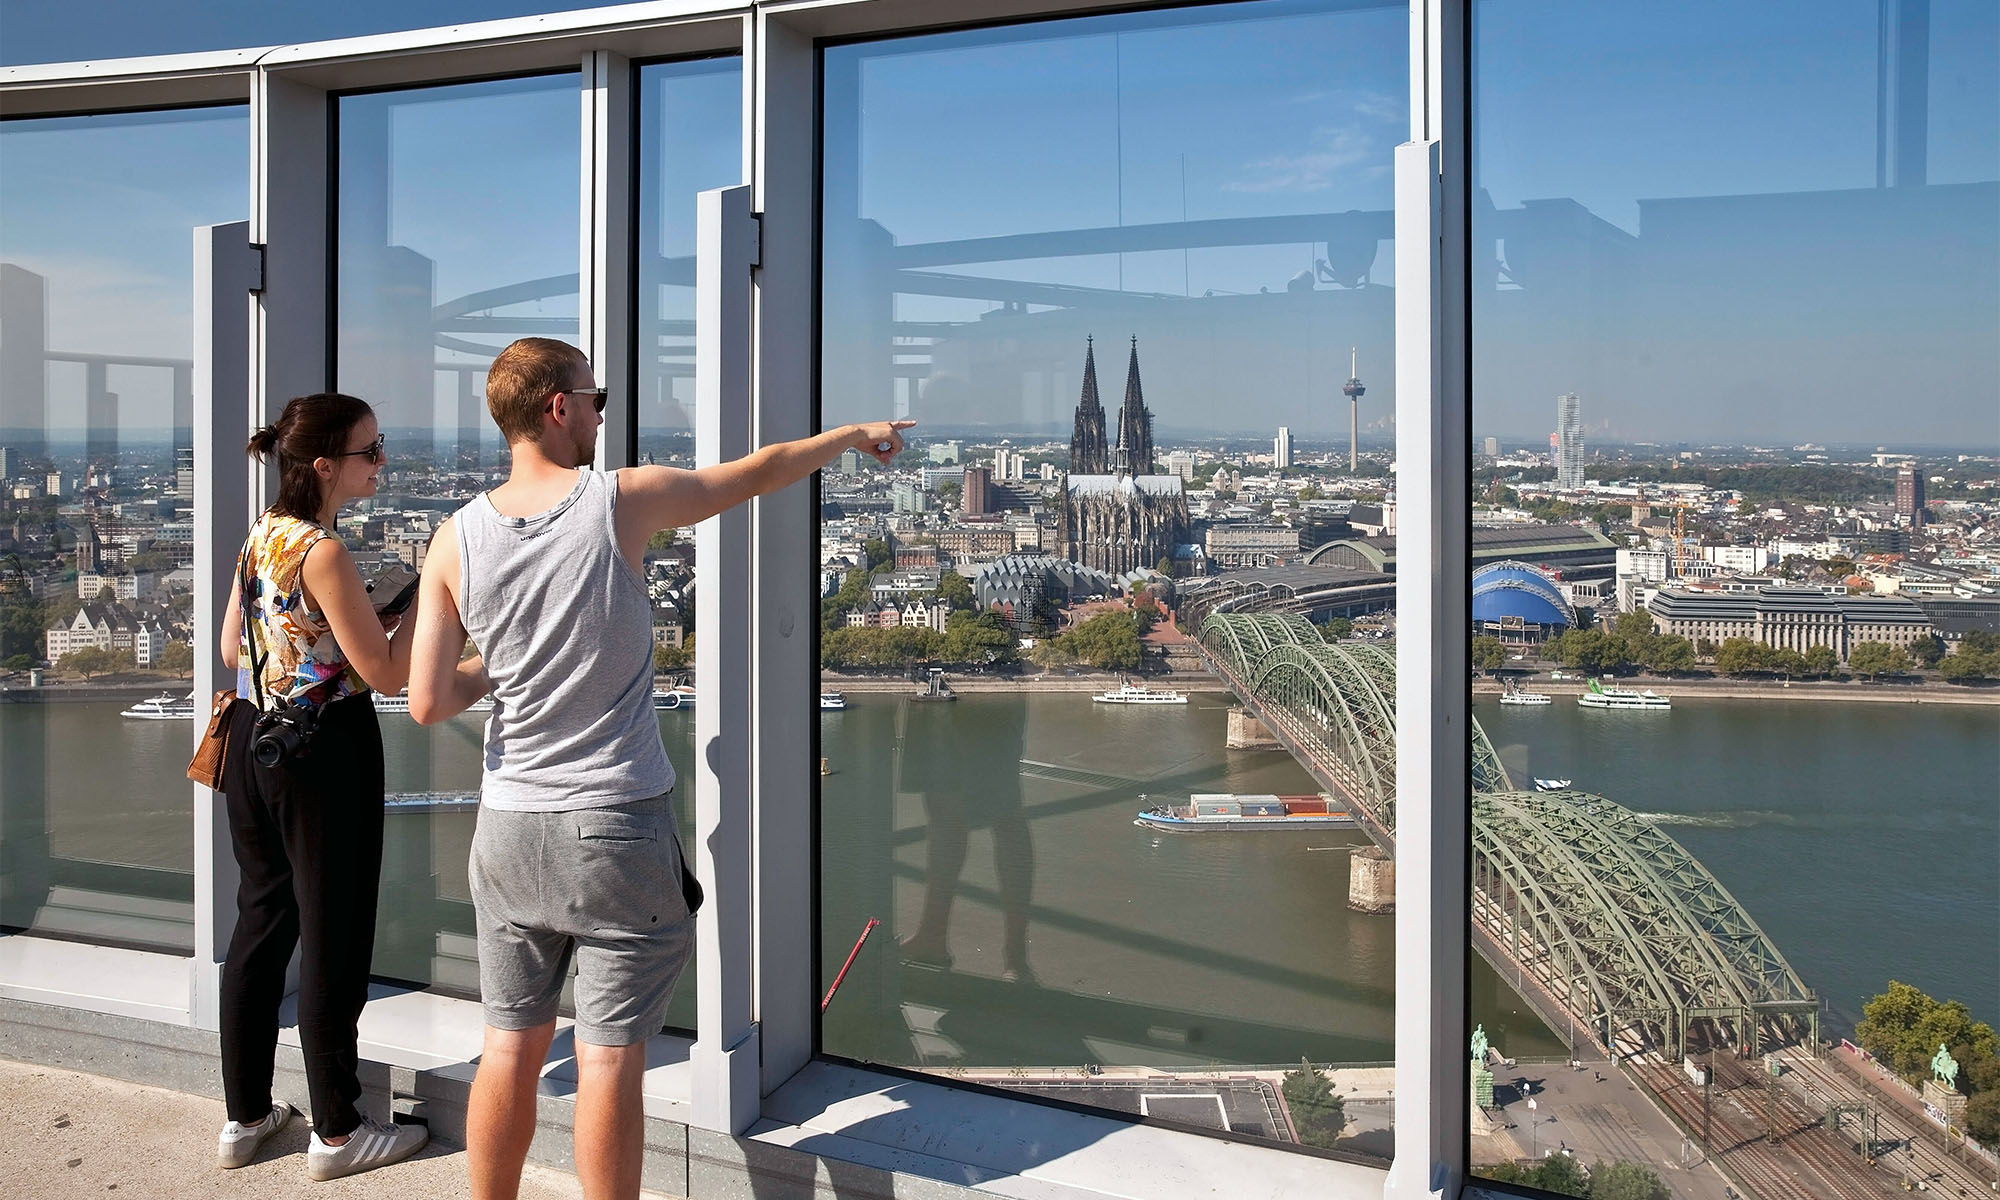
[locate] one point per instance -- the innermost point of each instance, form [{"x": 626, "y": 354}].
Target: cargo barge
[{"x": 1208, "y": 812}]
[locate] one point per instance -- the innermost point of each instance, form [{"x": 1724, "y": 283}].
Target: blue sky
[{"x": 1810, "y": 312}]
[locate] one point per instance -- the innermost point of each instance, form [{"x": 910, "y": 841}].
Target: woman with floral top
[{"x": 307, "y": 829}]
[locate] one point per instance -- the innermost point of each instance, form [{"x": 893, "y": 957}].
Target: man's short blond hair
[{"x": 521, "y": 380}]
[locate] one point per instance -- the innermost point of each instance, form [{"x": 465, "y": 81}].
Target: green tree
[
  {"x": 1671, "y": 655},
  {"x": 1165, "y": 566},
  {"x": 1108, "y": 640},
  {"x": 1626, "y": 1181},
  {"x": 1970, "y": 662},
  {"x": 1336, "y": 629},
  {"x": 1050, "y": 654},
  {"x": 176, "y": 659},
  {"x": 95, "y": 660},
  {"x": 1488, "y": 654},
  {"x": 876, "y": 552},
  {"x": 1877, "y": 658},
  {"x": 663, "y": 540},
  {"x": 1822, "y": 661},
  {"x": 668, "y": 657},
  {"x": 17, "y": 662},
  {"x": 1927, "y": 650},
  {"x": 1904, "y": 1027},
  {"x": 1558, "y": 1173},
  {"x": 1788, "y": 662},
  {"x": 976, "y": 638},
  {"x": 1741, "y": 656},
  {"x": 956, "y": 591},
  {"x": 1317, "y": 1110}
]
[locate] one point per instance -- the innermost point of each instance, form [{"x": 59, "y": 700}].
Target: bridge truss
[{"x": 1600, "y": 910}]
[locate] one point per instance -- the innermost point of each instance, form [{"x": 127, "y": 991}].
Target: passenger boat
[
  {"x": 679, "y": 696},
  {"x": 164, "y": 707},
  {"x": 1518, "y": 696},
  {"x": 832, "y": 702},
  {"x": 1551, "y": 785},
  {"x": 1208, "y": 812},
  {"x": 1139, "y": 693},
  {"x": 1598, "y": 696},
  {"x": 400, "y": 703}
]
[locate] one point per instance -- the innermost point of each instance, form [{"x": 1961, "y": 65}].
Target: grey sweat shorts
[{"x": 600, "y": 884}]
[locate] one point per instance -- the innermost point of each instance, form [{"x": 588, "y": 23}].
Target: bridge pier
[
  {"x": 1248, "y": 733},
  {"x": 1371, "y": 880}
]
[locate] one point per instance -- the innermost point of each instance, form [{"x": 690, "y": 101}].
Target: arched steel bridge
[{"x": 1574, "y": 897}]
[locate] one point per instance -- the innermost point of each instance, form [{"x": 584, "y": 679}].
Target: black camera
[{"x": 284, "y": 733}]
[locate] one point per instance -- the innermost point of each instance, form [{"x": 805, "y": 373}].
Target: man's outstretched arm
[
  {"x": 654, "y": 498},
  {"x": 441, "y": 685}
]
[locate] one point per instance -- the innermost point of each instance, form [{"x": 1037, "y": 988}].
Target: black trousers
[{"x": 308, "y": 839}]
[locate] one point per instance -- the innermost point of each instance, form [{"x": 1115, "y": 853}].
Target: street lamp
[{"x": 1531, "y": 1127}]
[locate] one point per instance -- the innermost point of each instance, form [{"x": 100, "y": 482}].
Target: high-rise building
[
  {"x": 10, "y": 462},
  {"x": 1910, "y": 495},
  {"x": 976, "y": 494},
  {"x": 1281, "y": 449},
  {"x": 1569, "y": 441},
  {"x": 184, "y": 472},
  {"x": 1179, "y": 462},
  {"x": 1493, "y": 447}
]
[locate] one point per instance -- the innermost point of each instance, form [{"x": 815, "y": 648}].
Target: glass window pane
[
  {"x": 1209, "y": 194},
  {"x": 1736, "y": 365},
  {"x": 96, "y": 514},
  {"x": 459, "y": 223},
  {"x": 690, "y": 121},
  {"x": 100, "y": 29}
]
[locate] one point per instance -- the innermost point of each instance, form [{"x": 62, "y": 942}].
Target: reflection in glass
[
  {"x": 1119, "y": 270},
  {"x": 96, "y": 514},
  {"x": 1734, "y": 429},
  {"x": 690, "y": 140},
  {"x": 459, "y": 224}
]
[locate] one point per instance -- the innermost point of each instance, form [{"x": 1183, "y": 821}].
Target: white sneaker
[
  {"x": 371, "y": 1145},
  {"x": 238, "y": 1144}
]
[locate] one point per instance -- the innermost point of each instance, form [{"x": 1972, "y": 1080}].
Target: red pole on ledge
[{"x": 865, "y": 931}]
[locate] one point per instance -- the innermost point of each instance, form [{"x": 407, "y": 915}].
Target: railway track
[
  {"x": 1916, "y": 1154},
  {"x": 1804, "y": 1162}
]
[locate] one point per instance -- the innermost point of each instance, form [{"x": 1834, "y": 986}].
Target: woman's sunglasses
[{"x": 372, "y": 450}]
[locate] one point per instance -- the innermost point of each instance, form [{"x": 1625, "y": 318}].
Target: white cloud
[{"x": 1332, "y": 150}]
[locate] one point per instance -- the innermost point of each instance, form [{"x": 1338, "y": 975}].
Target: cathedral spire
[
  {"x": 1087, "y": 451},
  {"x": 1135, "y": 424}
]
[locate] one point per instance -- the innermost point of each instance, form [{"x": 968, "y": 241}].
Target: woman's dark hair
[{"x": 311, "y": 427}]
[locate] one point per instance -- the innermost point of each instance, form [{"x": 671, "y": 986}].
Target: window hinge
[
  {"x": 255, "y": 268},
  {"x": 755, "y": 236}
]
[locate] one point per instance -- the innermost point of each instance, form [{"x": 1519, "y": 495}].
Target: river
[{"x": 1025, "y": 920}]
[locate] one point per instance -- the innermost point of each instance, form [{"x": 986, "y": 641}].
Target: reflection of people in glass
[
  {"x": 306, "y": 826},
  {"x": 575, "y": 854},
  {"x": 965, "y": 759}
]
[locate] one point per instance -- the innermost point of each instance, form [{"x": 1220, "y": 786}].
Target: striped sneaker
[
  {"x": 238, "y": 1143},
  {"x": 371, "y": 1145}
]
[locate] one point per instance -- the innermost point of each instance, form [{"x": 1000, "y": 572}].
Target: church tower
[
  {"x": 1135, "y": 424},
  {"x": 1087, "y": 451}
]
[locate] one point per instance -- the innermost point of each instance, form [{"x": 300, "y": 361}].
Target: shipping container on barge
[{"x": 1209, "y": 812}]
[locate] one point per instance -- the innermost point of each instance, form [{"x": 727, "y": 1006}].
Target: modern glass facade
[
  {"x": 1742, "y": 239},
  {"x": 96, "y": 413},
  {"x": 1797, "y": 273}
]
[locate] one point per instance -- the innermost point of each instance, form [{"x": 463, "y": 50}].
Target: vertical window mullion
[{"x": 1433, "y": 615}]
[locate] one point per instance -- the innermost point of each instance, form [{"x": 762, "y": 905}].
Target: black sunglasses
[
  {"x": 372, "y": 450},
  {"x": 597, "y": 395}
]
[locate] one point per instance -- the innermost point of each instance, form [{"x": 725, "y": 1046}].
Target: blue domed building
[{"x": 1519, "y": 604}]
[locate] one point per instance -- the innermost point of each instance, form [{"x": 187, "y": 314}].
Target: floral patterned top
[{"x": 302, "y": 661}]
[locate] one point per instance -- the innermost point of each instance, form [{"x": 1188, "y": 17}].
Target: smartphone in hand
[{"x": 393, "y": 591}]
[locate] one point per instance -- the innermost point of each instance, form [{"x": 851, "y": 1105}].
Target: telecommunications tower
[{"x": 1353, "y": 392}]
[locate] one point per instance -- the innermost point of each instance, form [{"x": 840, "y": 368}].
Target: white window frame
[{"x": 285, "y": 349}]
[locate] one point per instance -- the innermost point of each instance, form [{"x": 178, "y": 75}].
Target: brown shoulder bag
[{"x": 211, "y": 752}]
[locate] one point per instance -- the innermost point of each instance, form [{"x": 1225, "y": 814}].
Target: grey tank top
[{"x": 566, "y": 631}]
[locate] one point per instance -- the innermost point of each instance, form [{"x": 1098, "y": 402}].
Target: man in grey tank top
[{"x": 575, "y": 854}]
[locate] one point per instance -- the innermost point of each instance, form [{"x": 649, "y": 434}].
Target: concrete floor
[{"x": 68, "y": 1135}]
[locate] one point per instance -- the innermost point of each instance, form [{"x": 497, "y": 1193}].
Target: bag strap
[{"x": 250, "y": 628}]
